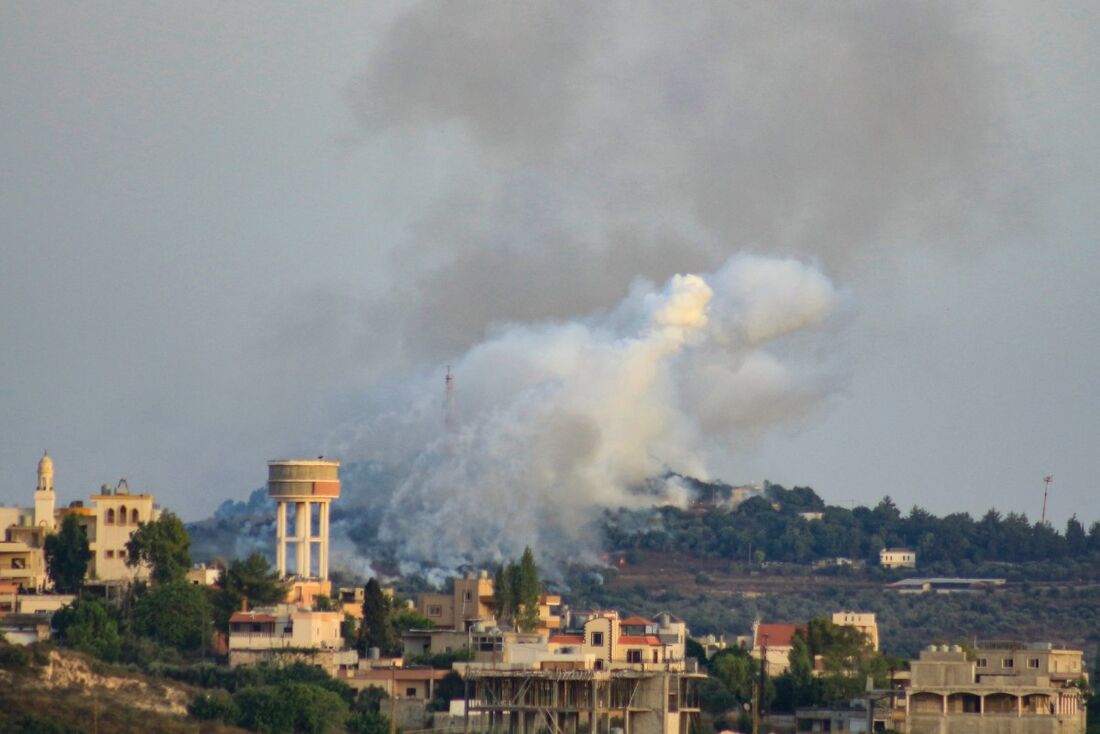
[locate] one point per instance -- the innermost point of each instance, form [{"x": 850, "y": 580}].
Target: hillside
[
  {"x": 46, "y": 691},
  {"x": 717, "y": 596}
]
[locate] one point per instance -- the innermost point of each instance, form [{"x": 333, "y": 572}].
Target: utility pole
[
  {"x": 758, "y": 697},
  {"x": 1046, "y": 489}
]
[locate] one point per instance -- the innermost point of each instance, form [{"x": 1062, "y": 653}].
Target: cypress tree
[
  {"x": 527, "y": 592},
  {"x": 375, "y": 631}
]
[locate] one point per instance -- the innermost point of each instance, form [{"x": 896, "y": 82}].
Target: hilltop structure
[
  {"x": 109, "y": 521},
  {"x": 897, "y": 558}
]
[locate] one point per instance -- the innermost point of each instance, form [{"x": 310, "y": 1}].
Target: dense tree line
[{"x": 771, "y": 527}]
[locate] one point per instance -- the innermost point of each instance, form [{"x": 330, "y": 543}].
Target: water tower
[{"x": 297, "y": 486}]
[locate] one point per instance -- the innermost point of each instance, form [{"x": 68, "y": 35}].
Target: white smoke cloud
[{"x": 559, "y": 419}]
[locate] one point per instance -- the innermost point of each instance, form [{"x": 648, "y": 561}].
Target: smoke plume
[
  {"x": 580, "y": 151},
  {"x": 559, "y": 419}
]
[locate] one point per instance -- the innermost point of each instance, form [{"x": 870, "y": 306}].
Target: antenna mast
[
  {"x": 449, "y": 402},
  {"x": 1046, "y": 488}
]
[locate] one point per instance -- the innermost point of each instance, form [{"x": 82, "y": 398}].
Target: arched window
[
  {"x": 134, "y": 516},
  {"x": 122, "y": 515},
  {"x": 110, "y": 517}
]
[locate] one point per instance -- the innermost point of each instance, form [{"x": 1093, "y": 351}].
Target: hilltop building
[
  {"x": 897, "y": 558},
  {"x": 113, "y": 516},
  {"x": 1005, "y": 688}
]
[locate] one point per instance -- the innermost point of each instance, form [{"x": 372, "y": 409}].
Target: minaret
[{"x": 44, "y": 497}]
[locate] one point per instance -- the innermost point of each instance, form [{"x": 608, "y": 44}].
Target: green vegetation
[
  {"x": 176, "y": 614},
  {"x": 376, "y": 630},
  {"x": 844, "y": 654},
  {"x": 67, "y": 556},
  {"x": 771, "y": 525},
  {"x": 282, "y": 699},
  {"x": 163, "y": 544},
  {"x": 385, "y": 620},
  {"x": 252, "y": 580},
  {"x": 516, "y": 590},
  {"x": 88, "y": 625}
]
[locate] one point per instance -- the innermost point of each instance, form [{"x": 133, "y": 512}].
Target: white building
[{"x": 897, "y": 558}]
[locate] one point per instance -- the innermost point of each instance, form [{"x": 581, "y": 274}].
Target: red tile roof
[
  {"x": 637, "y": 621},
  {"x": 567, "y": 639},
  {"x": 779, "y": 635},
  {"x": 639, "y": 640},
  {"x": 251, "y": 617}
]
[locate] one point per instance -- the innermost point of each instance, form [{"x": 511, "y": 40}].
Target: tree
[
  {"x": 87, "y": 625},
  {"x": 526, "y": 592},
  {"x": 502, "y": 594},
  {"x": 375, "y": 628},
  {"x": 291, "y": 707},
  {"x": 164, "y": 545},
  {"x": 735, "y": 669},
  {"x": 67, "y": 556},
  {"x": 177, "y": 614},
  {"x": 252, "y": 580},
  {"x": 1076, "y": 540}
]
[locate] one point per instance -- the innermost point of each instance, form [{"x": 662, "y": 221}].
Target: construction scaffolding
[{"x": 581, "y": 701}]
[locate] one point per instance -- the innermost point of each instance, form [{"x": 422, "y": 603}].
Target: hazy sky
[{"x": 229, "y": 231}]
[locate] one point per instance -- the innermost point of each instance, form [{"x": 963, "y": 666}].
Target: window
[
  {"x": 597, "y": 639},
  {"x": 122, "y": 554},
  {"x": 633, "y": 656},
  {"x": 134, "y": 516},
  {"x": 434, "y": 610},
  {"x": 122, "y": 515},
  {"x": 110, "y": 554},
  {"x": 467, "y": 596},
  {"x": 1033, "y": 663},
  {"x": 19, "y": 563},
  {"x": 1008, "y": 663},
  {"x": 655, "y": 656},
  {"x": 599, "y": 664},
  {"x": 110, "y": 517},
  {"x": 410, "y": 693},
  {"x": 983, "y": 662}
]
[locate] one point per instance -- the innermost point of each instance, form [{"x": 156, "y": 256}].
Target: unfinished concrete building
[{"x": 572, "y": 701}]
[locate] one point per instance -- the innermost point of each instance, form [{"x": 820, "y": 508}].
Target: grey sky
[{"x": 228, "y": 229}]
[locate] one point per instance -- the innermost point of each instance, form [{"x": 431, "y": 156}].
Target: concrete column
[
  {"x": 302, "y": 537},
  {"x": 280, "y": 538},
  {"x": 323, "y": 561}
]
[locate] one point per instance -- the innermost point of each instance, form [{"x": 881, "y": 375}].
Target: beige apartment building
[
  {"x": 113, "y": 517},
  {"x": 862, "y": 621},
  {"x": 1002, "y": 689},
  {"x": 471, "y": 602}
]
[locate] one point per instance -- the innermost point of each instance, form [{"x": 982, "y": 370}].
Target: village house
[
  {"x": 999, "y": 688},
  {"x": 897, "y": 558}
]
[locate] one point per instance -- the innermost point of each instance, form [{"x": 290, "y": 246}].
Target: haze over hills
[{"x": 773, "y": 524}]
